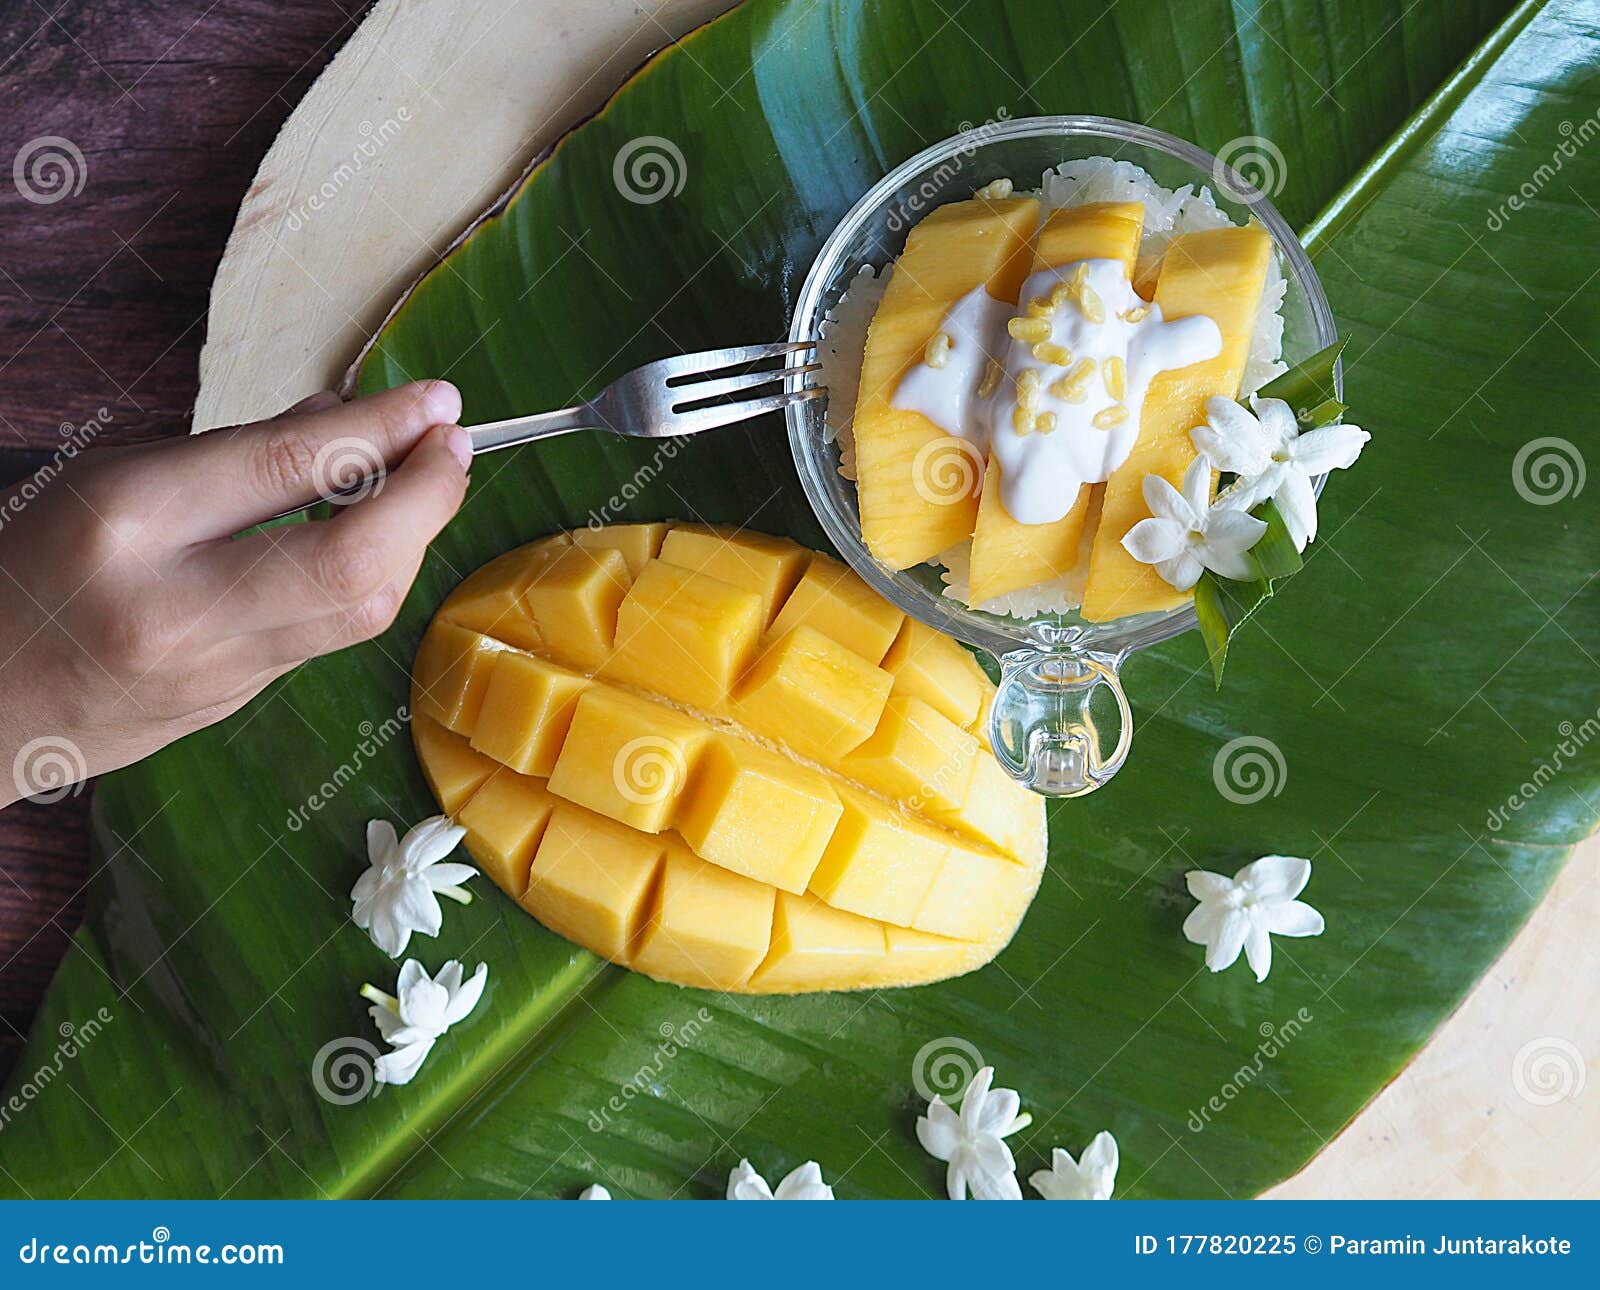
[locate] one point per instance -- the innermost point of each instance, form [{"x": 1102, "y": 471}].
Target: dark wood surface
[{"x": 103, "y": 292}]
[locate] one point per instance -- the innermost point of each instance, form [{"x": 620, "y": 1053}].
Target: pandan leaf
[{"x": 218, "y": 941}]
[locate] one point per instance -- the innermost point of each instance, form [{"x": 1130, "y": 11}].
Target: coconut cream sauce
[{"x": 1042, "y": 471}]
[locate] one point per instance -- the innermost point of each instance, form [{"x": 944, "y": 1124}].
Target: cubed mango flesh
[{"x": 813, "y": 812}]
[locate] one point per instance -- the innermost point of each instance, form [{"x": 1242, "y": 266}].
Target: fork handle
[{"x": 488, "y": 437}]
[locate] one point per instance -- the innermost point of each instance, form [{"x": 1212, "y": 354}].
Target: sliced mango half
[{"x": 720, "y": 759}]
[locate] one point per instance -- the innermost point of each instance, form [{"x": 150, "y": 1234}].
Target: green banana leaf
[{"x": 1405, "y": 684}]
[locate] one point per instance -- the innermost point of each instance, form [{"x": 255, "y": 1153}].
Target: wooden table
[
  {"x": 1453, "y": 1124},
  {"x": 104, "y": 294}
]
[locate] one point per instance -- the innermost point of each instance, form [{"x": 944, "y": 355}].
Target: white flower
[
  {"x": 1272, "y": 459},
  {"x": 594, "y": 1191},
  {"x": 1244, "y": 911},
  {"x": 425, "y": 1008},
  {"x": 1186, "y": 533},
  {"x": 804, "y": 1183},
  {"x": 973, "y": 1143},
  {"x": 1091, "y": 1177},
  {"x": 399, "y": 893}
]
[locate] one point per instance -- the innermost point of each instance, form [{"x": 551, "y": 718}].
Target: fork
[{"x": 642, "y": 404}]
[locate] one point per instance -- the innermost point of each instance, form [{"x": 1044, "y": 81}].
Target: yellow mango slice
[
  {"x": 636, "y": 543},
  {"x": 811, "y": 693},
  {"x": 1006, "y": 555},
  {"x": 451, "y": 675},
  {"x": 709, "y": 927},
  {"x": 956, "y": 248},
  {"x": 454, "y": 771},
  {"x": 504, "y": 820},
  {"x": 626, "y": 758},
  {"x": 491, "y": 601},
  {"x": 685, "y": 633},
  {"x": 972, "y": 890},
  {"x": 574, "y": 601},
  {"x": 756, "y": 813},
  {"x": 817, "y": 947},
  {"x": 925, "y": 667},
  {"x": 590, "y": 880},
  {"x": 526, "y": 710},
  {"x": 757, "y": 562},
  {"x": 917, "y": 754},
  {"x": 1219, "y": 273},
  {"x": 828, "y": 824},
  {"x": 879, "y": 863},
  {"x": 830, "y": 598}
]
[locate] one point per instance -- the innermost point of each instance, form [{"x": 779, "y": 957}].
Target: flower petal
[
  {"x": 1183, "y": 571},
  {"x": 1258, "y": 951},
  {"x": 999, "y": 1112},
  {"x": 416, "y": 907},
  {"x": 1155, "y": 539},
  {"x": 1293, "y": 918},
  {"x": 432, "y": 840},
  {"x": 973, "y": 1099},
  {"x": 1232, "y": 439},
  {"x": 594, "y": 1191},
  {"x": 380, "y": 841},
  {"x": 804, "y": 1183},
  {"x": 1273, "y": 878},
  {"x": 1197, "y": 489},
  {"x": 1205, "y": 885},
  {"x": 1297, "y": 503},
  {"x": 1101, "y": 1158},
  {"x": 1223, "y": 949},
  {"x": 744, "y": 1183},
  {"x": 465, "y": 999},
  {"x": 1279, "y": 425},
  {"x": 399, "y": 1066},
  {"x": 1204, "y": 923},
  {"x": 1166, "y": 502},
  {"x": 449, "y": 875},
  {"x": 1331, "y": 448},
  {"x": 939, "y": 1131}
]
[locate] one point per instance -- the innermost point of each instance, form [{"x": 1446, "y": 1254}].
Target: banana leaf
[{"x": 1408, "y": 681}]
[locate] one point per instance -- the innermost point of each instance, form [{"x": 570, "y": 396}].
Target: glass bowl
[{"x": 1055, "y": 669}]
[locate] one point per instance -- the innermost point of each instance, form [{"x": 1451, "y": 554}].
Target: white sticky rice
[{"x": 1168, "y": 212}]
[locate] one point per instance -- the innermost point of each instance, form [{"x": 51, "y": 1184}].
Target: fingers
[
  {"x": 321, "y": 401},
  {"x": 240, "y": 475},
  {"x": 298, "y": 585}
]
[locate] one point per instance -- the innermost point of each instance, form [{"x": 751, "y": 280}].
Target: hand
[{"x": 130, "y": 615}]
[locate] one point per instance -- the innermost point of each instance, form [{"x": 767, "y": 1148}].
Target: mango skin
[{"x": 712, "y": 823}]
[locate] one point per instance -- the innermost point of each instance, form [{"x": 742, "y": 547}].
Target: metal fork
[{"x": 644, "y": 404}]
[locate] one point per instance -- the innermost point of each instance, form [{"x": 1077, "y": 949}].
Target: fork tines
[{"x": 704, "y": 404}]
